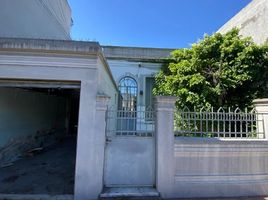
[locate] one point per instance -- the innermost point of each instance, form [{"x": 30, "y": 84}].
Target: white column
[
  {"x": 165, "y": 159},
  {"x": 261, "y": 106},
  {"x": 90, "y": 143}
]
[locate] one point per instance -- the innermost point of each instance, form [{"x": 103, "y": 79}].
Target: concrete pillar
[
  {"x": 100, "y": 129},
  {"x": 261, "y": 106},
  {"x": 90, "y": 143},
  {"x": 165, "y": 159}
]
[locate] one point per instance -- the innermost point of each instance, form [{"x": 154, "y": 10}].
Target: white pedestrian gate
[{"x": 130, "y": 148}]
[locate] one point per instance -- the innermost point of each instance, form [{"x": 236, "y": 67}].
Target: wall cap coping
[
  {"x": 136, "y": 53},
  {"x": 219, "y": 141},
  {"x": 49, "y": 45},
  {"x": 261, "y": 101},
  {"x": 166, "y": 99}
]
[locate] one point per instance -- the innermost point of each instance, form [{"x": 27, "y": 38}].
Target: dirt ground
[{"x": 50, "y": 171}]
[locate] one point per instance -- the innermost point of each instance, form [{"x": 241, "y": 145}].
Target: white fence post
[
  {"x": 261, "y": 106},
  {"x": 165, "y": 160}
]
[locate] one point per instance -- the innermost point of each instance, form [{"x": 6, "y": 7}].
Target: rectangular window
[{"x": 149, "y": 84}]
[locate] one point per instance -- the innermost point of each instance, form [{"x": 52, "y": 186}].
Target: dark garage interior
[{"x": 38, "y": 134}]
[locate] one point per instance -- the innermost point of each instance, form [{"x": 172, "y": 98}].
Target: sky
[{"x": 150, "y": 23}]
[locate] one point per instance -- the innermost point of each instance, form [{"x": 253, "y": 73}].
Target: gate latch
[{"x": 108, "y": 140}]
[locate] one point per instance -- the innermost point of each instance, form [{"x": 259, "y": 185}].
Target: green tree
[{"x": 220, "y": 70}]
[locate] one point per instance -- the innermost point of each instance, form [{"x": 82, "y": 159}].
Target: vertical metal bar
[
  {"x": 241, "y": 124},
  {"x": 263, "y": 127},
  {"x": 246, "y": 119},
  {"x": 218, "y": 123},
  {"x": 212, "y": 121},
  {"x": 121, "y": 121},
  {"x": 201, "y": 123},
  {"x": 251, "y": 121},
  {"x": 223, "y": 122},
  {"x": 188, "y": 121},
  {"x": 230, "y": 121},
  {"x": 206, "y": 122},
  {"x": 235, "y": 116},
  {"x": 195, "y": 126}
]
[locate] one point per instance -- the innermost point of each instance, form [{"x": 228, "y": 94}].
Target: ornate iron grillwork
[{"x": 128, "y": 94}]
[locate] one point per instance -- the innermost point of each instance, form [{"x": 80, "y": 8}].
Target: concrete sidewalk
[
  {"x": 158, "y": 198},
  {"x": 70, "y": 197}
]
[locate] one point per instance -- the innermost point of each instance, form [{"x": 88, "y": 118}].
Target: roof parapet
[{"x": 50, "y": 45}]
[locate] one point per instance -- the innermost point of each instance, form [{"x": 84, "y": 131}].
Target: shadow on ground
[{"x": 51, "y": 171}]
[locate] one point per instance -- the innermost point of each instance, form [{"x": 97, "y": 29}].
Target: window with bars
[{"x": 128, "y": 93}]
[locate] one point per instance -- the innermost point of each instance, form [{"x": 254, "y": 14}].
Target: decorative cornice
[{"x": 47, "y": 45}]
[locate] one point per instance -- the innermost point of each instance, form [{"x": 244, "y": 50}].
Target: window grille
[
  {"x": 128, "y": 93},
  {"x": 130, "y": 122}
]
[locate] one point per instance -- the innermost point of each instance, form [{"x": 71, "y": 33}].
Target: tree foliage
[{"x": 220, "y": 70}]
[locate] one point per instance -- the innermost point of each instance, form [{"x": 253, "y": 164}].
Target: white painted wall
[
  {"x": 252, "y": 21},
  {"x": 106, "y": 83},
  {"x": 66, "y": 61},
  {"x": 46, "y": 19},
  {"x": 189, "y": 167},
  {"x": 220, "y": 168}
]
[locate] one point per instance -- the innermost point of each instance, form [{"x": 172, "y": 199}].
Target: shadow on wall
[{"x": 29, "y": 119}]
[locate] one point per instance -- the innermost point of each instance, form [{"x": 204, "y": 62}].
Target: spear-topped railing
[{"x": 221, "y": 123}]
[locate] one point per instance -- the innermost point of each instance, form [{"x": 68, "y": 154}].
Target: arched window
[{"x": 128, "y": 93}]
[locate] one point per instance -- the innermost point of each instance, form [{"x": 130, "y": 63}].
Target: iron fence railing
[
  {"x": 219, "y": 123},
  {"x": 139, "y": 122}
]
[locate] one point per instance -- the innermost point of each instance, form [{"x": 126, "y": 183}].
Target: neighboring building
[
  {"x": 43, "y": 19},
  {"x": 133, "y": 69},
  {"x": 251, "y": 20}
]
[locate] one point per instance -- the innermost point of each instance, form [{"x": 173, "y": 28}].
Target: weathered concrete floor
[{"x": 49, "y": 172}]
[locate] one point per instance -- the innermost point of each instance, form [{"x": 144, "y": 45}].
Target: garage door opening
[{"x": 38, "y": 135}]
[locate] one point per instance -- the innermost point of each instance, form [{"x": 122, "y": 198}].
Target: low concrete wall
[
  {"x": 207, "y": 167},
  {"x": 28, "y": 120}
]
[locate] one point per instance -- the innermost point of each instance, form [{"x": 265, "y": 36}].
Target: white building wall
[
  {"x": 66, "y": 61},
  {"x": 106, "y": 84},
  {"x": 252, "y": 21},
  {"x": 45, "y": 19},
  {"x": 135, "y": 62},
  {"x": 137, "y": 70}
]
